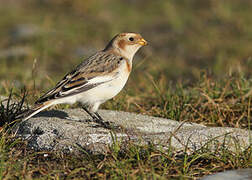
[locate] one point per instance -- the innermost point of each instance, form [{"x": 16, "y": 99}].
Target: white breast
[{"x": 106, "y": 90}]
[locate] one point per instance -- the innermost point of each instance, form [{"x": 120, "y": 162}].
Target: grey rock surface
[
  {"x": 68, "y": 130},
  {"x": 240, "y": 174}
]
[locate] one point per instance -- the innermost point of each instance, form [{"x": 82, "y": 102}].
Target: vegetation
[{"x": 197, "y": 67}]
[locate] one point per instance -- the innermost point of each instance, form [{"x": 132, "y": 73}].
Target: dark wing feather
[{"x": 77, "y": 81}]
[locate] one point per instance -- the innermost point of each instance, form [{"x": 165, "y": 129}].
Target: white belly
[{"x": 106, "y": 90}]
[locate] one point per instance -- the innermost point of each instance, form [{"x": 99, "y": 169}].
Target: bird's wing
[{"x": 97, "y": 69}]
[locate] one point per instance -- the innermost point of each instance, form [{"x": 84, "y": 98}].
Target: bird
[{"x": 97, "y": 79}]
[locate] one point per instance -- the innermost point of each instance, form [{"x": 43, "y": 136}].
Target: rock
[
  {"x": 3, "y": 98},
  {"x": 68, "y": 130},
  {"x": 240, "y": 174},
  {"x": 4, "y": 101}
]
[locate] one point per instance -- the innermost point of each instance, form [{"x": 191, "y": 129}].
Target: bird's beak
[{"x": 142, "y": 42}]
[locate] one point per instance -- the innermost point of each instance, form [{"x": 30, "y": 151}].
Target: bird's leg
[
  {"x": 101, "y": 121},
  {"x": 97, "y": 118},
  {"x": 89, "y": 113},
  {"x": 106, "y": 124}
]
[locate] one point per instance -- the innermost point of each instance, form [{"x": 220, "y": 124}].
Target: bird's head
[{"x": 126, "y": 44}]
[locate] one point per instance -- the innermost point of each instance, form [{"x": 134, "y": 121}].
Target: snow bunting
[{"x": 97, "y": 79}]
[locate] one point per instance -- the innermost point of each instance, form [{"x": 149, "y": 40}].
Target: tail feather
[{"x": 36, "y": 109}]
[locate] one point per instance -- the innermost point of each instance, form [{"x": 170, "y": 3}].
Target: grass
[
  {"x": 142, "y": 162},
  {"x": 197, "y": 67}
]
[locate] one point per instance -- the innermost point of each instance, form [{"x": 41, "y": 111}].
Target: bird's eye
[{"x": 131, "y": 39}]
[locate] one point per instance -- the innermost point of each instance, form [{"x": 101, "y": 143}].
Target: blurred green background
[{"x": 41, "y": 40}]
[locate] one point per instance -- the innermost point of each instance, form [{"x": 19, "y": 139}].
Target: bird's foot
[{"x": 105, "y": 124}]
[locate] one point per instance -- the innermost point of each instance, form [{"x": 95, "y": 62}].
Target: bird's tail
[{"x": 36, "y": 109}]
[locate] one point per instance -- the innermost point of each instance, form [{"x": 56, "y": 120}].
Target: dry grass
[{"x": 130, "y": 163}]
